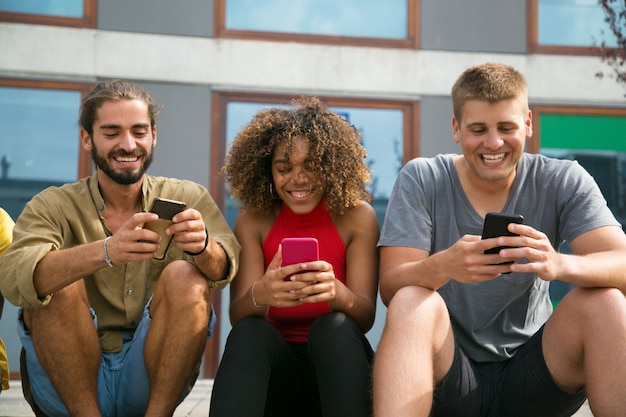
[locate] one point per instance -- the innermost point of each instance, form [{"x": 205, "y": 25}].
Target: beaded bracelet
[{"x": 106, "y": 258}]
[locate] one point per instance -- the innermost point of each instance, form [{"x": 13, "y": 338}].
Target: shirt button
[
  {"x": 132, "y": 323},
  {"x": 129, "y": 292}
]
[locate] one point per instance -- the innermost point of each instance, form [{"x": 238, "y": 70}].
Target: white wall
[{"x": 56, "y": 52}]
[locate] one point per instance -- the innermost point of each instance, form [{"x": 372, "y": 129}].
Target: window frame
[
  {"x": 534, "y": 145},
  {"x": 411, "y": 41},
  {"x": 84, "y": 159},
  {"x": 532, "y": 34},
  {"x": 87, "y": 21},
  {"x": 217, "y": 186},
  {"x": 221, "y": 99}
]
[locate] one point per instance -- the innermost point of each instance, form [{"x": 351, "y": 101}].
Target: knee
[
  {"x": 181, "y": 283},
  {"x": 589, "y": 304},
  {"x": 335, "y": 323},
  {"x": 253, "y": 328},
  {"x": 253, "y": 334},
  {"x": 65, "y": 303},
  {"x": 411, "y": 304}
]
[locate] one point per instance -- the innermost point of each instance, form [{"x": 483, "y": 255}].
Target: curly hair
[{"x": 336, "y": 155}]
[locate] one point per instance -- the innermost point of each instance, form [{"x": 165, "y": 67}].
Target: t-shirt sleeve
[
  {"x": 408, "y": 221},
  {"x": 583, "y": 207}
]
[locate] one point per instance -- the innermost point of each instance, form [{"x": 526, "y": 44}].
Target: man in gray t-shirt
[{"x": 473, "y": 334}]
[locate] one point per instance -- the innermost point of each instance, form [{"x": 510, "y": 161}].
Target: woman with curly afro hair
[{"x": 297, "y": 346}]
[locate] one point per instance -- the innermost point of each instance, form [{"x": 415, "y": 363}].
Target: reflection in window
[
  {"x": 382, "y": 137},
  {"x": 597, "y": 143},
  {"x": 39, "y": 136},
  {"x": 61, "y": 8},
  {"x": 577, "y": 23},
  {"x": 353, "y": 18},
  {"x": 383, "y": 133}
]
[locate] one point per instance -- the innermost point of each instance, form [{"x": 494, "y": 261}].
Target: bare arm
[
  {"x": 464, "y": 262},
  {"x": 358, "y": 297},
  {"x": 60, "y": 268},
  {"x": 251, "y": 269},
  {"x": 270, "y": 286},
  {"x": 190, "y": 234},
  {"x": 599, "y": 258},
  {"x": 599, "y": 261}
]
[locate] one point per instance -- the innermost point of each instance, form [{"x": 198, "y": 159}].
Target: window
[
  {"x": 593, "y": 137},
  {"x": 40, "y": 148},
  {"x": 391, "y": 23},
  {"x": 389, "y": 131},
  {"x": 390, "y": 134},
  {"x": 74, "y": 13},
  {"x": 40, "y": 142},
  {"x": 567, "y": 27}
]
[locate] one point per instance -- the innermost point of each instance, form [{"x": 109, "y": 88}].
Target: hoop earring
[{"x": 272, "y": 192}]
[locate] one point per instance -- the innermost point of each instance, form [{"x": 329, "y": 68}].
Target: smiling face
[
  {"x": 492, "y": 137},
  {"x": 123, "y": 141},
  {"x": 295, "y": 184}
]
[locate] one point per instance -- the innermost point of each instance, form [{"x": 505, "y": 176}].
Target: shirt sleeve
[{"x": 33, "y": 238}]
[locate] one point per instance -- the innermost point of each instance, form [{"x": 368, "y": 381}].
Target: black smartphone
[
  {"x": 496, "y": 225},
  {"x": 166, "y": 209}
]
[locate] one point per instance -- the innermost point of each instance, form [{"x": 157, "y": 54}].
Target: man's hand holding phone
[
  {"x": 166, "y": 210},
  {"x": 496, "y": 225}
]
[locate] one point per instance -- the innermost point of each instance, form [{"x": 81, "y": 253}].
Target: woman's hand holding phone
[
  {"x": 299, "y": 250},
  {"x": 320, "y": 280}
]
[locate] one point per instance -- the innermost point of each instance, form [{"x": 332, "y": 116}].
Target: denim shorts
[
  {"x": 518, "y": 387},
  {"x": 123, "y": 383}
]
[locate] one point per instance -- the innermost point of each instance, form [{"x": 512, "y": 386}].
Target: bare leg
[
  {"x": 180, "y": 317},
  {"x": 583, "y": 344},
  {"x": 414, "y": 353},
  {"x": 66, "y": 343}
]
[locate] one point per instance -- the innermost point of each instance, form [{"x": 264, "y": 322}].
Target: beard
[{"x": 124, "y": 177}]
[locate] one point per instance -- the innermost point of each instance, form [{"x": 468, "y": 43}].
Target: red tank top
[{"x": 294, "y": 322}]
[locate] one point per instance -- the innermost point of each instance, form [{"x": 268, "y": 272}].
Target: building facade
[{"x": 387, "y": 66}]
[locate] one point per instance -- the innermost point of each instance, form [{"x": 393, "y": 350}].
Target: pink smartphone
[{"x": 299, "y": 249}]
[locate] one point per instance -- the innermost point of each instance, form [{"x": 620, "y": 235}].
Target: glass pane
[
  {"x": 596, "y": 142},
  {"x": 62, "y": 8},
  {"x": 577, "y": 23},
  {"x": 355, "y": 18},
  {"x": 383, "y": 133},
  {"x": 40, "y": 145},
  {"x": 383, "y": 137}
]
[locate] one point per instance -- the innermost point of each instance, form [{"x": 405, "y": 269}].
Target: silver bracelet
[
  {"x": 254, "y": 299},
  {"x": 106, "y": 258}
]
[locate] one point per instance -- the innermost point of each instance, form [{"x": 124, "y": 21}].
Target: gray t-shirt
[{"x": 429, "y": 210}]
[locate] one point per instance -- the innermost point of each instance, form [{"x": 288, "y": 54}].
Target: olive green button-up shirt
[{"x": 73, "y": 214}]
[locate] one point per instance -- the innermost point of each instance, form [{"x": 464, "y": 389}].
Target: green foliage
[{"x": 615, "y": 57}]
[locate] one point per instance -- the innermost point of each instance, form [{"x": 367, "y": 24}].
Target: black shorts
[{"x": 518, "y": 387}]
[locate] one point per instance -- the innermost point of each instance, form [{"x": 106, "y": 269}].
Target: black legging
[{"x": 260, "y": 374}]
